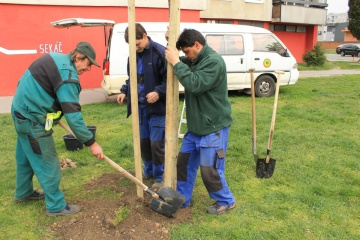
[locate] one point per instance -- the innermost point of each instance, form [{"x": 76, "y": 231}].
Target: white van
[{"x": 242, "y": 48}]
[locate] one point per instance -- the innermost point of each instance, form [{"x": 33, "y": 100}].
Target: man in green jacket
[
  {"x": 48, "y": 90},
  {"x": 202, "y": 72}
]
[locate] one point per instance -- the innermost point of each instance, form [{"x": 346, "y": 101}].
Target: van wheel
[
  {"x": 264, "y": 86},
  {"x": 342, "y": 53}
]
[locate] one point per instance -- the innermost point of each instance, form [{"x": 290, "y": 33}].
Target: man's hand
[
  {"x": 172, "y": 55},
  {"x": 120, "y": 98},
  {"x": 96, "y": 150},
  {"x": 152, "y": 97}
]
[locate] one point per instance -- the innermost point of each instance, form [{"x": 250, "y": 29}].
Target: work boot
[
  {"x": 69, "y": 209},
  {"x": 36, "y": 195},
  {"x": 157, "y": 185},
  {"x": 218, "y": 209}
]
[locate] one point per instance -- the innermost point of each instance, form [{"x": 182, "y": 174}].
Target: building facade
[
  {"x": 26, "y": 32},
  {"x": 335, "y": 28}
]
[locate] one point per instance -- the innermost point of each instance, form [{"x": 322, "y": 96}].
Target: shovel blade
[
  {"x": 270, "y": 168},
  {"x": 260, "y": 168},
  {"x": 263, "y": 169},
  {"x": 168, "y": 203}
]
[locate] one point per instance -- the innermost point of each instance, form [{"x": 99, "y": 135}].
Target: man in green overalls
[{"x": 48, "y": 90}]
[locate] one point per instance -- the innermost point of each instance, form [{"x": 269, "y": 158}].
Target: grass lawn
[
  {"x": 313, "y": 194},
  {"x": 330, "y": 65}
]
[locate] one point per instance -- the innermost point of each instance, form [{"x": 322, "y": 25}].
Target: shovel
[
  {"x": 260, "y": 163},
  {"x": 166, "y": 201},
  {"x": 253, "y": 116},
  {"x": 265, "y": 167}
]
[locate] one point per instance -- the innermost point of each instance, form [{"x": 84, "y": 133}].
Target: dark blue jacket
[{"x": 154, "y": 66}]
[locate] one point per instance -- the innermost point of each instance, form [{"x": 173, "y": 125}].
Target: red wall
[
  {"x": 295, "y": 42},
  {"x": 27, "y": 27}
]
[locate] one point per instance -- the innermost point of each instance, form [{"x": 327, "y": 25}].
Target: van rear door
[
  {"x": 87, "y": 22},
  {"x": 82, "y": 22}
]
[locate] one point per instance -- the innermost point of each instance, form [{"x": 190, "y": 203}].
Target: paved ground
[
  {"x": 338, "y": 57},
  {"x": 86, "y": 96},
  {"x": 305, "y": 74}
]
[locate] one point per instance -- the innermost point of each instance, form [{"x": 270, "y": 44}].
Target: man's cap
[{"x": 86, "y": 49}]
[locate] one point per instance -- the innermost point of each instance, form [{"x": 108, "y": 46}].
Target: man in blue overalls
[
  {"x": 202, "y": 72},
  {"x": 151, "y": 82}
]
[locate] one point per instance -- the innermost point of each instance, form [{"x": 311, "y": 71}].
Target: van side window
[
  {"x": 267, "y": 43},
  {"x": 226, "y": 44}
]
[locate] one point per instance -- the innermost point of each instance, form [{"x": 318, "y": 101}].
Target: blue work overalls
[{"x": 208, "y": 152}]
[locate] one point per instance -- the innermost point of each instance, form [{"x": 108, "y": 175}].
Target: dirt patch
[{"x": 98, "y": 217}]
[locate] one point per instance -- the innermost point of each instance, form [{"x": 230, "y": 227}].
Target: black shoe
[
  {"x": 36, "y": 195},
  {"x": 69, "y": 209},
  {"x": 218, "y": 209}
]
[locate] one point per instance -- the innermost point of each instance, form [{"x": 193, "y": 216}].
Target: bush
[{"x": 315, "y": 57}]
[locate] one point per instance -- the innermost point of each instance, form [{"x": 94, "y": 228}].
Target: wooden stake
[
  {"x": 172, "y": 102},
  {"x": 134, "y": 94}
]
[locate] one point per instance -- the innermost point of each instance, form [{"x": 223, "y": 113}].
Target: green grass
[
  {"x": 313, "y": 194},
  {"x": 330, "y": 65}
]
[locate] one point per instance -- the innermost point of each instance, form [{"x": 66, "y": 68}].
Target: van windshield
[
  {"x": 267, "y": 43},
  {"x": 226, "y": 44}
]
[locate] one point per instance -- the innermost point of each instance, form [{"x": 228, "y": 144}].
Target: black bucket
[
  {"x": 72, "y": 143},
  {"x": 92, "y": 129}
]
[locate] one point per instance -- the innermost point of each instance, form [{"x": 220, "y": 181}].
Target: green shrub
[{"x": 315, "y": 57}]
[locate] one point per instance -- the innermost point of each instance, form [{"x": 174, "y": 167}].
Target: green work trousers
[{"x": 36, "y": 154}]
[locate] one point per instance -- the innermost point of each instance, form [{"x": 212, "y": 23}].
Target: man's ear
[
  {"x": 77, "y": 57},
  {"x": 197, "y": 45}
]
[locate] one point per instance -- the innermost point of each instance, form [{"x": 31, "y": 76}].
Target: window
[
  {"x": 226, "y": 44},
  {"x": 255, "y": 24},
  {"x": 300, "y": 29},
  {"x": 287, "y": 28},
  {"x": 225, "y": 22},
  {"x": 290, "y": 28},
  {"x": 279, "y": 27},
  {"x": 267, "y": 43}
]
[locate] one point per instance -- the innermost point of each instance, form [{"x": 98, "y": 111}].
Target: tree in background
[
  {"x": 354, "y": 18},
  {"x": 315, "y": 57}
]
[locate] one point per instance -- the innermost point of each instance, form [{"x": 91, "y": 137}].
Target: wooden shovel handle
[
  {"x": 272, "y": 126},
  {"x": 251, "y": 70},
  {"x": 66, "y": 127},
  {"x": 130, "y": 177},
  {"x": 117, "y": 167}
]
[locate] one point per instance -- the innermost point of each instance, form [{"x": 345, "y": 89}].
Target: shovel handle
[
  {"x": 130, "y": 177},
  {"x": 272, "y": 126},
  {"x": 117, "y": 167},
  {"x": 251, "y": 70},
  {"x": 66, "y": 127}
]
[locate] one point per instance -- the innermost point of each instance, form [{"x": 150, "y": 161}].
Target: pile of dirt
[
  {"x": 67, "y": 163},
  {"x": 97, "y": 217}
]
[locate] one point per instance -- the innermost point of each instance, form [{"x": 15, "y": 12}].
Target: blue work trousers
[
  {"x": 208, "y": 152},
  {"x": 152, "y": 141}
]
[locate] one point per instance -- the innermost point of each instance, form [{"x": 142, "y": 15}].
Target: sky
[{"x": 337, "y": 6}]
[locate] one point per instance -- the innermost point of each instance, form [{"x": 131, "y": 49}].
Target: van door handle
[
  {"x": 241, "y": 60},
  {"x": 257, "y": 58}
]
